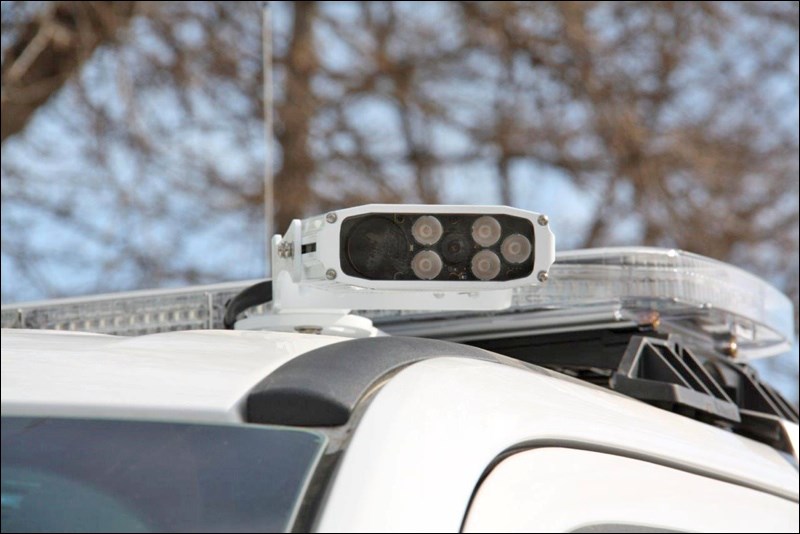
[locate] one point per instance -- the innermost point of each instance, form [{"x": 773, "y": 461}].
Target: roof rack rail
[
  {"x": 324, "y": 386},
  {"x": 665, "y": 374}
]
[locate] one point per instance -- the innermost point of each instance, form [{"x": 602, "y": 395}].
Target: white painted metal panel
[
  {"x": 562, "y": 490},
  {"x": 196, "y": 375},
  {"x": 423, "y": 443}
]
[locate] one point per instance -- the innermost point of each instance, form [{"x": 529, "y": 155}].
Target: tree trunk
[{"x": 292, "y": 187}]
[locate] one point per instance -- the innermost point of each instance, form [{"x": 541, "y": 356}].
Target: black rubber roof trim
[
  {"x": 255, "y": 295},
  {"x": 322, "y": 387}
]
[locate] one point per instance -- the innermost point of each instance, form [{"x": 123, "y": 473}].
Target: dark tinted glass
[
  {"x": 381, "y": 246},
  {"x": 72, "y": 475}
]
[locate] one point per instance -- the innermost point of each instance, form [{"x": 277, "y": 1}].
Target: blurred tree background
[{"x": 133, "y": 149}]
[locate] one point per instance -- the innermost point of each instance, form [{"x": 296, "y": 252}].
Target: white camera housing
[{"x": 308, "y": 272}]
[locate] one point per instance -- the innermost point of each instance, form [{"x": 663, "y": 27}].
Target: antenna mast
[{"x": 269, "y": 193}]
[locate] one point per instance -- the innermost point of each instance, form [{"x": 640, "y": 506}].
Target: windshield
[{"x": 72, "y": 475}]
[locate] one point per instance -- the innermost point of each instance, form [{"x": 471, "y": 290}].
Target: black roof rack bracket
[
  {"x": 323, "y": 387},
  {"x": 660, "y": 372}
]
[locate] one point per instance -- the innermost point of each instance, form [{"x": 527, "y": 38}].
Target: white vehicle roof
[
  {"x": 444, "y": 420},
  {"x": 198, "y": 375},
  {"x": 449, "y": 415}
]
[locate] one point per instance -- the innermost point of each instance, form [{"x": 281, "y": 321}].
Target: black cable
[{"x": 255, "y": 295}]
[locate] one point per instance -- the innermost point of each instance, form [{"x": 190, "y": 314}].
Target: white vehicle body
[
  {"x": 606, "y": 392},
  {"x": 443, "y": 444}
]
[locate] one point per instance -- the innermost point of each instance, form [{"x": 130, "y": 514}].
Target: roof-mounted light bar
[
  {"x": 323, "y": 268},
  {"x": 710, "y": 304},
  {"x": 402, "y": 257},
  {"x": 131, "y": 313},
  {"x": 694, "y": 295}
]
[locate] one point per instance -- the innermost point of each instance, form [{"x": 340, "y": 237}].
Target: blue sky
[{"x": 235, "y": 245}]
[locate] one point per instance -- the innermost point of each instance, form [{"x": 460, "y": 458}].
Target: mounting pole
[{"x": 269, "y": 192}]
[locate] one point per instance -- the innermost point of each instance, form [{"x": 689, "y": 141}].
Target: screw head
[
  {"x": 543, "y": 276},
  {"x": 649, "y": 318},
  {"x": 729, "y": 347},
  {"x": 285, "y": 249},
  {"x": 330, "y": 274},
  {"x": 331, "y": 217},
  {"x": 543, "y": 220}
]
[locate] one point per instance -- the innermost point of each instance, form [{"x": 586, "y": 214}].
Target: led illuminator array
[{"x": 442, "y": 247}]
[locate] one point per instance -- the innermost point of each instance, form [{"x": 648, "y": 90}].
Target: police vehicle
[{"x": 408, "y": 368}]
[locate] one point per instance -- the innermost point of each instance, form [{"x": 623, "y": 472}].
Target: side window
[{"x": 569, "y": 490}]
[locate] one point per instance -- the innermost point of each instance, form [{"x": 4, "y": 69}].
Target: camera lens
[
  {"x": 455, "y": 248},
  {"x": 377, "y": 248}
]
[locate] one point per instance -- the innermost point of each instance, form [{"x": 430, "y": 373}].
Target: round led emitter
[
  {"x": 516, "y": 248},
  {"x": 427, "y": 230},
  {"x": 426, "y": 265},
  {"x": 486, "y": 231},
  {"x": 485, "y": 265}
]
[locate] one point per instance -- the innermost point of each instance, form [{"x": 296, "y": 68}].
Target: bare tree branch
[{"x": 49, "y": 50}]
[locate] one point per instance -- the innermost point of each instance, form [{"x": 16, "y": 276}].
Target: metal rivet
[
  {"x": 331, "y": 217},
  {"x": 330, "y": 274},
  {"x": 285, "y": 249},
  {"x": 543, "y": 276},
  {"x": 728, "y": 347},
  {"x": 649, "y": 318},
  {"x": 543, "y": 220}
]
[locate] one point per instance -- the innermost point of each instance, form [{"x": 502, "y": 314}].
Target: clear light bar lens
[
  {"x": 128, "y": 314},
  {"x": 694, "y": 295}
]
